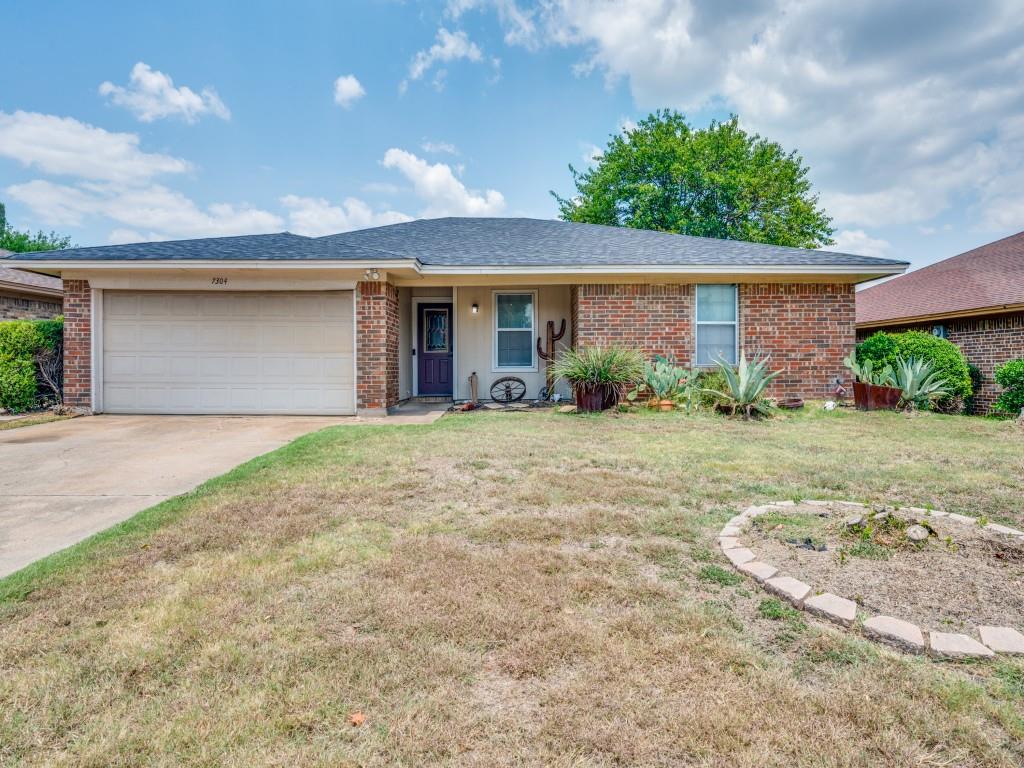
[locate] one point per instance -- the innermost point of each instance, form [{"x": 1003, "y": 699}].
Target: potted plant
[
  {"x": 599, "y": 376},
  {"x": 662, "y": 386},
  {"x": 873, "y": 390}
]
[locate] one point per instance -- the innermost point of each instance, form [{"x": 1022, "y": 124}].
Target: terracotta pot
[
  {"x": 667, "y": 405},
  {"x": 872, "y": 397},
  {"x": 589, "y": 399}
]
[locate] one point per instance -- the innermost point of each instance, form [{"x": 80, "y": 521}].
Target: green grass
[
  {"x": 31, "y": 421},
  {"x": 494, "y": 589}
]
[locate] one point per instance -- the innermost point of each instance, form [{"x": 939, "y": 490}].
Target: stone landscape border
[{"x": 891, "y": 630}]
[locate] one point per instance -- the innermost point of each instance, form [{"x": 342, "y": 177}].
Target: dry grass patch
[{"x": 497, "y": 590}]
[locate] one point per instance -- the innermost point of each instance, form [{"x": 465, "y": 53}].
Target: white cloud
[
  {"x": 858, "y": 241},
  {"x": 591, "y": 153},
  {"x": 151, "y": 95},
  {"x": 315, "y": 216},
  {"x": 439, "y": 147},
  {"x": 63, "y": 145},
  {"x": 896, "y": 128},
  {"x": 347, "y": 91},
  {"x": 438, "y": 186},
  {"x": 449, "y": 46},
  {"x": 163, "y": 213}
]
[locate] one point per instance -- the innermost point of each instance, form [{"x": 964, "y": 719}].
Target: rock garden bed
[{"x": 919, "y": 579}]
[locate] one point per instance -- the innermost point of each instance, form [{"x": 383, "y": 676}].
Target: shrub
[
  {"x": 22, "y": 344},
  {"x": 976, "y": 381},
  {"x": 1010, "y": 376},
  {"x": 944, "y": 356},
  {"x": 712, "y": 383}
]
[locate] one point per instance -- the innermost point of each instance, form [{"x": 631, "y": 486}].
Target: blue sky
[{"x": 127, "y": 121}]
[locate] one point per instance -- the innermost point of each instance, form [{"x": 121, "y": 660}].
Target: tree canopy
[
  {"x": 23, "y": 242},
  {"x": 714, "y": 182}
]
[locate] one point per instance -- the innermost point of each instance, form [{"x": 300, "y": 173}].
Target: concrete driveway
[{"x": 63, "y": 481}]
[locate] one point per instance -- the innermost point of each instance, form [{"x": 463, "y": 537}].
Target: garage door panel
[{"x": 228, "y": 353}]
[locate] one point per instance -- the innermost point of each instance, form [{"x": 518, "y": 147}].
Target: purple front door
[{"x": 433, "y": 349}]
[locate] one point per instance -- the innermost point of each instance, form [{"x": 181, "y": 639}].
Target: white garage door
[{"x": 272, "y": 352}]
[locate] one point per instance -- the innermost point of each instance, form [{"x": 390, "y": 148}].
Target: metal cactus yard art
[{"x": 548, "y": 354}]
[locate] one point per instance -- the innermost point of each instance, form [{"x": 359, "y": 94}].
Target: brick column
[
  {"x": 78, "y": 345},
  {"x": 376, "y": 347},
  {"x": 656, "y": 319},
  {"x": 807, "y": 328}
]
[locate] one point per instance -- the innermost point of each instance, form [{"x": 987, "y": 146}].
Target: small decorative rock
[
  {"x": 567, "y": 409},
  {"x": 1003, "y": 529},
  {"x": 854, "y": 522},
  {"x": 739, "y": 555},
  {"x": 760, "y": 571},
  {"x": 1002, "y": 639},
  {"x": 895, "y": 631},
  {"x": 955, "y": 646},
  {"x": 917, "y": 533},
  {"x": 832, "y": 607},
  {"x": 793, "y": 590}
]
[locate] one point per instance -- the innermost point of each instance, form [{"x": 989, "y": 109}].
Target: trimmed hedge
[
  {"x": 20, "y": 342},
  {"x": 1010, "y": 376},
  {"x": 946, "y": 358}
]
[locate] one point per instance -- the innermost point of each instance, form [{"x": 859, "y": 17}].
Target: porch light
[
  {"x": 475, "y": 309},
  {"x": 372, "y": 274}
]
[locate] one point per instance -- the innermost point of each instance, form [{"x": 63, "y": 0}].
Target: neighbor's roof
[
  {"x": 478, "y": 242},
  {"x": 988, "y": 278},
  {"x": 28, "y": 282}
]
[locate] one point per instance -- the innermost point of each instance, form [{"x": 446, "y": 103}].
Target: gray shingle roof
[
  {"x": 479, "y": 242},
  {"x": 535, "y": 242}
]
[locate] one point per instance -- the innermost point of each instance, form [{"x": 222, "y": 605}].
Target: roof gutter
[
  {"x": 35, "y": 290},
  {"x": 873, "y": 270},
  {"x": 995, "y": 309}
]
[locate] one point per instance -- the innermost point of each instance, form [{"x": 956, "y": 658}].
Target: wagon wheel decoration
[{"x": 508, "y": 389}]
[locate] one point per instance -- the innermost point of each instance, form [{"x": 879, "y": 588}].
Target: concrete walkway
[{"x": 63, "y": 481}]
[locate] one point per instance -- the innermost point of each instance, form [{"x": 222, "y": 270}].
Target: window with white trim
[
  {"x": 717, "y": 327},
  {"x": 514, "y": 320}
]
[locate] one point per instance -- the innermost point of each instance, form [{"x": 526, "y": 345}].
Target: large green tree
[
  {"x": 718, "y": 181},
  {"x": 23, "y": 242}
]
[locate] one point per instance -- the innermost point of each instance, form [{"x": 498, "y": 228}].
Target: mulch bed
[{"x": 963, "y": 576}]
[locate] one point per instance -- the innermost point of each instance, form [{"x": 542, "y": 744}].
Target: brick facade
[
  {"x": 987, "y": 342},
  {"x": 807, "y": 328},
  {"x": 658, "y": 319},
  {"x": 77, "y": 345},
  {"x": 20, "y": 307},
  {"x": 376, "y": 345}
]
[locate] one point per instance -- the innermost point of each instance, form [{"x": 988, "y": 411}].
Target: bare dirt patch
[{"x": 962, "y": 576}]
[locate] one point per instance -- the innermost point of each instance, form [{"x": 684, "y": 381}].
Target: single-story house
[
  {"x": 28, "y": 296},
  {"x": 976, "y": 300},
  {"x": 360, "y": 321}
]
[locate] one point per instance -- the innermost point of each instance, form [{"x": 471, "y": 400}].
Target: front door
[{"x": 434, "y": 349}]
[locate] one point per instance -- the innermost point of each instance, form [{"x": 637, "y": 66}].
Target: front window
[
  {"x": 716, "y": 324},
  {"x": 513, "y": 330}
]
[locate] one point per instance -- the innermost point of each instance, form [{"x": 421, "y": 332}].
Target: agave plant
[
  {"x": 745, "y": 385},
  {"x": 920, "y": 385},
  {"x": 865, "y": 372}
]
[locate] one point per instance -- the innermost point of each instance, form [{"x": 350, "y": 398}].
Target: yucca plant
[
  {"x": 745, "y": 385},
  {"x": 609, "y": 371},
  {"x": 920, "y": 384}
]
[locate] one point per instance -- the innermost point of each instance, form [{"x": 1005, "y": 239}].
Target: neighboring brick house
[
  {"x": 28, "y": 296},
  {"x": 976, "y": 300},
  {"x": 358, "y": 322}
]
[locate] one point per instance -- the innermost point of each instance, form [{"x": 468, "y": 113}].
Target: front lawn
[{"x": 524, "y": 588}]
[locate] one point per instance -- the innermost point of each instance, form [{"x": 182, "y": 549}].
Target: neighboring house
[
  {"x": 976, "y": 300},
  {"x": 360, "y": 321},
  {"x": 28, "y": 296}
]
